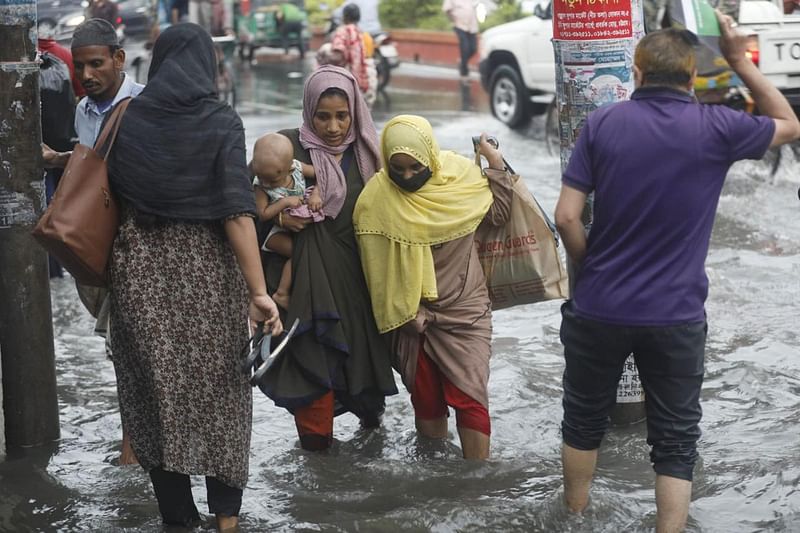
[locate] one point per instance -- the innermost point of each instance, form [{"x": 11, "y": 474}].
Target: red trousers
[
  {"x": 433, "y": 392},
  {"x": 315, "y": 423}
]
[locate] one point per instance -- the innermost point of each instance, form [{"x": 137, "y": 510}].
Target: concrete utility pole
[
  {"x": 594, "y": 42},
  {"x": 29, "y": 402},
  {"x": 2, "y": 418}
]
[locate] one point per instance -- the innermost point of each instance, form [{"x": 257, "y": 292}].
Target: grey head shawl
[{"x": 180, "y": 152}]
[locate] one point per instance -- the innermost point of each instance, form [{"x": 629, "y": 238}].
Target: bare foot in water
[
  {"x": 127, "y": 457},
  {"x": 282, "y": 299},
  {"x": 227, "y": 524}
]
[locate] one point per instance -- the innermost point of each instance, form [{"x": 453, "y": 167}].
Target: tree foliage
[
  {"x": 418, "y": 14},
  {"x": 506, "y": 11},
  {"x": 319, "y": 11},
  {"x": 428, "y": 15}
]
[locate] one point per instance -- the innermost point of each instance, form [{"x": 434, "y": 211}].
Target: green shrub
[
  {"x": 428, "y": 15},
  {"x": 418, "y": 14},
  {"x": 507, "y": 10},
  {"x": 319, "y": 11}
]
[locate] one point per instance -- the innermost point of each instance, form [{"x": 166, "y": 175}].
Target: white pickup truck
[
  {"x": 517, "y": 65},
  {"x": 775, "y": 44}
]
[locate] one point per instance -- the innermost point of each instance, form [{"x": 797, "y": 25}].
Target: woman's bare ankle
[
  {"x": 127, "y": 455},
  {"x": 227, "y": 524}
]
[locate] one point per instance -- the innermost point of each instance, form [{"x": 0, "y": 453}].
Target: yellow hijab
[{"x": 395, "y": 229}]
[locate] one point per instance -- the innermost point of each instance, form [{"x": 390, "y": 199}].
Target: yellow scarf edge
[
  {"x": 466, "y": 231},
  {"x": 390, "y": 327}
]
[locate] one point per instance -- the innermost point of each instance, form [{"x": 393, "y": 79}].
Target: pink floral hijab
[{"x": 330, "y": 178}]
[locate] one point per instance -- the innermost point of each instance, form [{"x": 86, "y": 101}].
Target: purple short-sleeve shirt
[{"x": 656, "y": 165}]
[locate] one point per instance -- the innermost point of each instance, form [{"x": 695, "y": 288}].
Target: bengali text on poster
[{"x": 592, "y": 20}]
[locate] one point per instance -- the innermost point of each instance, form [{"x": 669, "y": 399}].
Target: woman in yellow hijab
[{"x": 415, "y": 223}]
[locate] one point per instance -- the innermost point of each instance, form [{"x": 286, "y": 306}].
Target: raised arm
[{"x": 499, "y": 182}]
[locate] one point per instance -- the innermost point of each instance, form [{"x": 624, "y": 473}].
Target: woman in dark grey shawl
[{"x": 179, "y": 299}]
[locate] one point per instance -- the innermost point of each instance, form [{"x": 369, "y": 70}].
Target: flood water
[{"x": 386, "y": 480}]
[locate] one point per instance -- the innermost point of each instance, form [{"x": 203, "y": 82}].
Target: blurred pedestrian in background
[
  {"x": 465, "y": 23},
  {"x": 47, "y": 43},
  {"x": 347, "y": 48},
  {"x": 289, "y": 19},
  {"x": 214, "y": 16},
  {"x": 106, "y": 10},
  {"x": 178, "y": 11},
  {"x": 369, "y": 21}
]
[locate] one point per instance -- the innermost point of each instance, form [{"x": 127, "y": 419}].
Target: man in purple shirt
[{"x": 656, "y": 165}]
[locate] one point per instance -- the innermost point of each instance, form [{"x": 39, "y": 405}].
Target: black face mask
[{"x": 414, "y": 182}]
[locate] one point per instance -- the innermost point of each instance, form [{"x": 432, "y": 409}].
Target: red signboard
[{"x": 591, "y": 20}]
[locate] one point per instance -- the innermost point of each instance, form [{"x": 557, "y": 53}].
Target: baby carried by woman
[{"x": 280, "y": 186}]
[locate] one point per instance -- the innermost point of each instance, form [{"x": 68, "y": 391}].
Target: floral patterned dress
[{"x": 178, "y": 323}]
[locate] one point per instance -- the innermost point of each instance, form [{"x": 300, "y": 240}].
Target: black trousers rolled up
[
  {"x": 670, "y": 363},
  {"x": 175, "y": 502}
]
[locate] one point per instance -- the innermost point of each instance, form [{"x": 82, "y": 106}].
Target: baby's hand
[
  {"x": 314, "y": 200},
  {"x": 308, "y": 170},
  {"x": 293, "y": 201}
]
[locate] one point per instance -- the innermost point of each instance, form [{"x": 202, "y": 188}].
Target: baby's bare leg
[
  {"x": 281, "y": 243},
  {"x": 281, "y": 295}
]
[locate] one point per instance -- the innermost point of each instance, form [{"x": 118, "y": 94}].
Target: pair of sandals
[{"x": 260, "y": 359}]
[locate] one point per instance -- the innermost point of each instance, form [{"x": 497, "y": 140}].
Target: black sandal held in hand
[{"x": 260, "y": 359}]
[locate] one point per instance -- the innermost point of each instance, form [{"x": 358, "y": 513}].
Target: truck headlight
[{"x": 74, "y": 21}]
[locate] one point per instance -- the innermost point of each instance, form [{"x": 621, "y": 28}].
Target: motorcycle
[{"x": 385, "y": 56}]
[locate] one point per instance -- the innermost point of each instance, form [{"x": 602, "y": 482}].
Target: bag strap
[
  {"x": 480, "y": 165},
  {"x": 111, "y": 128},
  {"x": 514, "y": 176}
]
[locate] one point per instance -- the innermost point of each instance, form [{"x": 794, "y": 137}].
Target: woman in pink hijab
[{"x": 337, "y": 361}]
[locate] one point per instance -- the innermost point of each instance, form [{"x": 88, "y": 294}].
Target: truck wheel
[{"x": 509, "y": 97}]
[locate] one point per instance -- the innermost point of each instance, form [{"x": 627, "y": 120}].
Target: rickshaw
[{"x": 257, "y": 26}]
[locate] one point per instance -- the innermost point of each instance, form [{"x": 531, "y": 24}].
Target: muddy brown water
[{"x": 387, "y": 480}]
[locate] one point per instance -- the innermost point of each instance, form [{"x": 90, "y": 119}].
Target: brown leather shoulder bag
[{"x": 80, "y": 224}]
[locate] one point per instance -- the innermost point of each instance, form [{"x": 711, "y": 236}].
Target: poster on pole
[
  {"x": 592, "y": 20},
  {"x": 594, "y": 43},
  {"x": 589, "y": 75}
]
